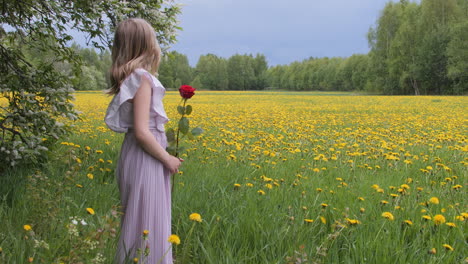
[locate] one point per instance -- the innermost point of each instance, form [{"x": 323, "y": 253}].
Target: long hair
[{"x": 135, "y": 46}]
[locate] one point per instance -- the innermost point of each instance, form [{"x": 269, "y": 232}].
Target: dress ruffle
[{"x": 119, "y": 109}]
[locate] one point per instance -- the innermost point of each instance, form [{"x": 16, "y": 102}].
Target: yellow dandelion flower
[
  {"x": 353, "y": 221},
  {"x": 408, "y": 222},
  {"x": 380, "y": 190},
  {"x": 195, "y": 217},
  {"x": 236, "y": 186},
  {"x": 90, "y": 176},
  {"x": 362, "y": 210},
  {"x": 426, "y": 217},
  {"x": 174, "y": 239},
  {"x": 145, "y": 232},
  {"x": 323, "y": 220},
  {"x": 90, "y": 211},
  {"x": 261, "y": 192},
  {"x": 360, "y": 198},
  {"x": 383, "y": 202},
  {"x": 249, "y": 184},
  {"x": 135, "y": 260},
  {"x": 448, "y": 247},
  {"x": 308, "y": 221},
  {"x": 27, "y": 227},
  {"x": 375, "y": 187},
  {"x": 432, "y": 251},
  {"x": 319, "y": 190},
  {"x": 388, "y": 216},
  {"x": 438, "y": 219},
  {"x": 324, "y": 205},
  {"x": 99, "y": 151},
  {"x": 434, "y": 200},
  {"x": 450, "y": 224}
]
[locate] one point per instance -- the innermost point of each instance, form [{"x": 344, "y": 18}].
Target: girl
[{"x": 144, "y": 167}]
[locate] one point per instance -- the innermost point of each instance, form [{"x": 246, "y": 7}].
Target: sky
[{"x": 284, "y": 31}]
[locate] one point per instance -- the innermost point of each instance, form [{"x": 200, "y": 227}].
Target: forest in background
[{"x": 415, "y": 49}]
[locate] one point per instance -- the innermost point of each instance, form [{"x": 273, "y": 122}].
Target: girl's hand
[{"x": 173, "y": 163}]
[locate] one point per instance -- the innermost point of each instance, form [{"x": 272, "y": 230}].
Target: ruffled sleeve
[{"x": 119, "y": 114}]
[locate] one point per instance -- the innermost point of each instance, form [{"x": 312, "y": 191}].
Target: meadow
[{"x": 277, "y": 177}]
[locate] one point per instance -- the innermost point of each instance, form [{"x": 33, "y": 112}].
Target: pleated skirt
[{"x": 145, "y": 194}]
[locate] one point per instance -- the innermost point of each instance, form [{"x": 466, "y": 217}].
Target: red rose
[{"x": 186, "y": 91}]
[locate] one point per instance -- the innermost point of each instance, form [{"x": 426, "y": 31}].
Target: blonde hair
[{"x": 135, "y": 46}]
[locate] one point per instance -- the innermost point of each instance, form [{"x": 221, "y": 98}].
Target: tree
[
  {"x": 37, "y": 93},
  {"x": 457, "y": 54},
  {"x": 211, "y": 71},
  {"x": 380, "y": 39},
  {"x": 175, "y": 70}
]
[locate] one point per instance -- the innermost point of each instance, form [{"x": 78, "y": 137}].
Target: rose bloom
[{"x": 186, "y": 91}]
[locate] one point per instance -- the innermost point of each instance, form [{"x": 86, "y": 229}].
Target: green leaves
[
  {"x": 184, "y": 125},
  {"x": 197, "y": 131},
  {"x": 187, "y": 110},
  {"x": 183, "y": 130},
  {"x": 181, "y": 109},
  {"x": 170, "y": 135}
]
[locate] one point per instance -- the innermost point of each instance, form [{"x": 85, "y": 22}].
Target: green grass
[{"x": 240, "y": 225}]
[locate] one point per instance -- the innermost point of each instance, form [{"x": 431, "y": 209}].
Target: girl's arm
[{"x": 141, "y": 110}]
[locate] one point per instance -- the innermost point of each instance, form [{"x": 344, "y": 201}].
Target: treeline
[
  {"x": 420, "y": 48},
  {"x": 415, "y": 49}
]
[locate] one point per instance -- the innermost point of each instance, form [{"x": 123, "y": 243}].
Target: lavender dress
[{"x": 144, "y": 183}]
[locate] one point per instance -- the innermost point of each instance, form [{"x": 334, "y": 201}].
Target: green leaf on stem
[
  {"x": 184, "y": 125},
  {"x": 188, "y": 109},
  {"x": 181, "y": 149},
  {"x": 197, "y": 131},
  {"x": 181, "y": 109},
  {"x": 171, "y": 150},
  {"x": 170, "y": 134}
]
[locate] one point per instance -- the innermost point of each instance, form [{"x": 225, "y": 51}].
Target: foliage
[
  {"x": 174, "y": 70},
  {"x": 413, "y": 48},
  {"x": 35, "y": 90}
]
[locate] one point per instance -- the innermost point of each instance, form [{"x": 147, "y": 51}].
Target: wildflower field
[{"x": 277, "y": 177}]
